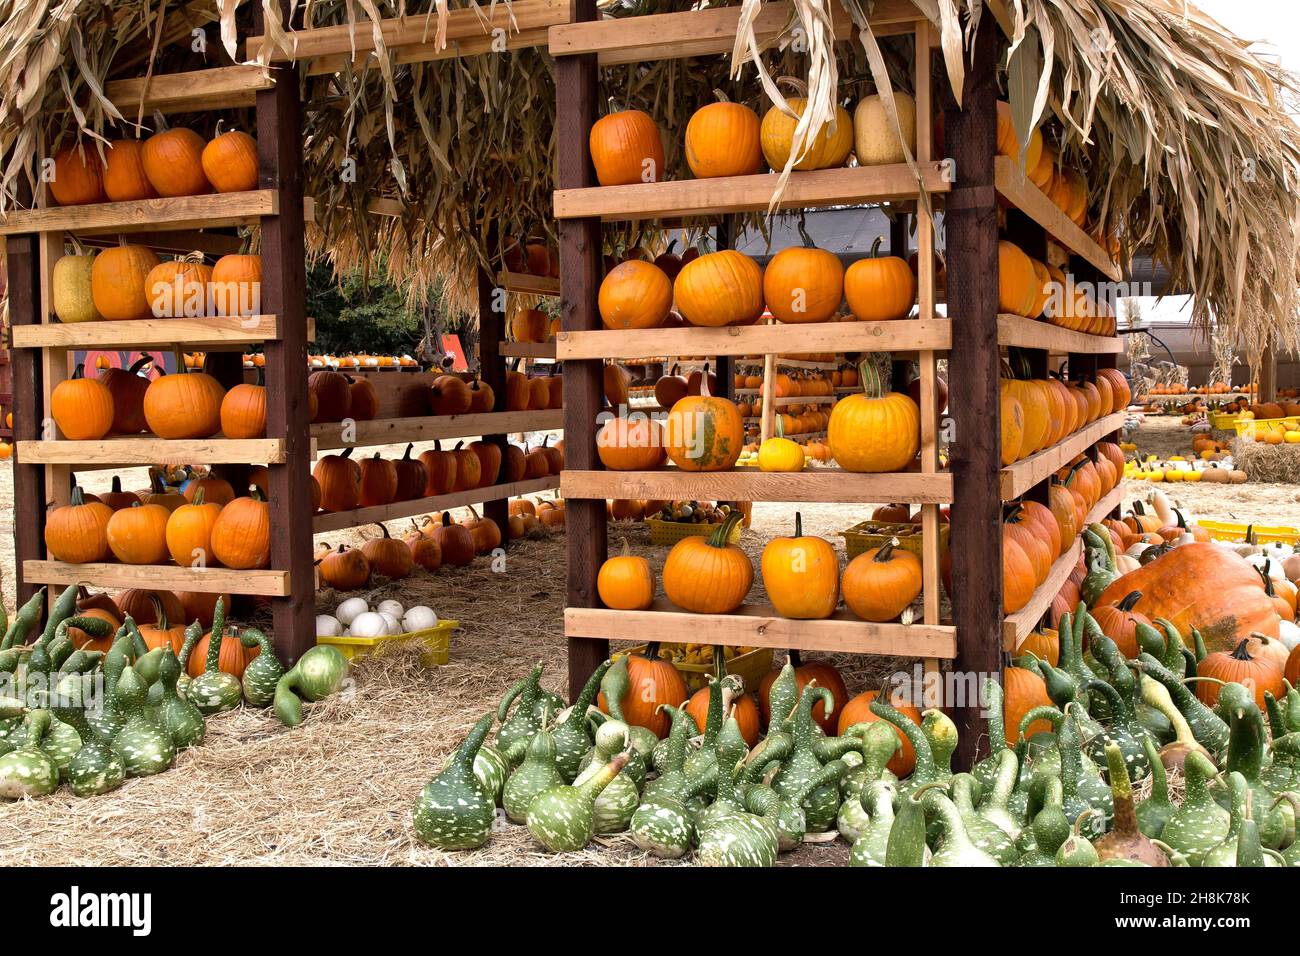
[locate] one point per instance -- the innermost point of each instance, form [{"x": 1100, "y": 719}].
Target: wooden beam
[
  {"x": 532, "y": 350},
  {"x": 219, "y": 88},
  {"x": 149, "y": 333},
  {"x": 22, "y": 262},
  {"x": 147, "y": 450},
  {"x": 522, "y": 283},
  {"x": 1019, "y": 478},
  {"x": 1018, "y": 331},
  {"x": 576, "y": 95},
  {"x": 337, "y": 520},
  {"x": 388, "y": 431},
  {"x": 169, "y": 577},
  {"x": 972, "y": 245},
  {"x": 727, "y": 194},
  {"x": 750, "y": 484},
  {"x": 147, "y": 215},
  {"x": 759, "y": 626},
  {"x": 900, "y": 336}
]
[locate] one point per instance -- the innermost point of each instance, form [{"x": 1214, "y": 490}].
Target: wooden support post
[
  {"x": 492, "y": 370},
  {"x": 284, "y": 285},
  {"x": 971, "y": 228},
  {"x": 23, "y": 268},
  {"x": 725, "y": 365},
  {"x": 1268, "y": 375},
  {"x": 576, "y": 94}
]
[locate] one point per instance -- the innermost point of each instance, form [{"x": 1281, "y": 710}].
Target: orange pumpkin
[
  {"x": 879, "y": 288},
  {"x": 77, "y": 533},
  {"x": 124, "y": 176},
  {"x": 184, "y": 405},
  {"x": 634, "y": 444},
  {"x": 241, "y": 534},
  {"x": 229, "y": 162},
  {"x": 722, "y": 139},
  {"x": 138, "y": 535},
  {"x": 634, "y": 295},
  {"x": 173, "y": 161},
  {"x": 78, "y": 176},
  {"x": 626, "y": 149},
  {"x": 119, "y": 280},
  {"x": 803, "y": 284},
  {"x": 721, "y": 288},
  {"x": 652, "y": 682},
  {"x": 237, "y": 285}
]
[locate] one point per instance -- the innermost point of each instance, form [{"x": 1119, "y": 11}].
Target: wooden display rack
[{"x": 976, "y": 484}]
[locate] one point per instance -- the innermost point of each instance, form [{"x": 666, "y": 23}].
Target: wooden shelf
[
  {"x": 759, "y": 626},
  {"x": 789, "y": 400},
  {"x": 1011, "y": 182},
  {"x": 521, "y": 283},
  {"x": 690, "y": 33},
  {"x": 150, "y": 333},
  {"x": 143, "y": 450},
  {"x": 750, "y": 484},
  {"x": 1016, "y": 627},
  {"x": 1016, "y": 330},
  {"x": 1018, "y": 478},
  {"x": 900, "y": 336},
  {"x": 219, "y": 88},
  {"x": 333, "y": 521},
  {"x": 151, "y": 215},
  {"x": 727, "y": 194},
  {"x": 532, "y": 350},
  {"x": 154, "y": 576},
  {"x": 390, "y": 431}
]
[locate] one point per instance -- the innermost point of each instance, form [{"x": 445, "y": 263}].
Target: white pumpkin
[
  {"x": 394, "y": 625},
  {"x": 327, "y": 625},
  {"x": 1288, "y": 632},
  {"x": 391, "y": 607},
  {"x": 369, "y": 624},
  {"x": 875, "y": 140},
  {"x": 349, "y": 610},
  {"x": 420, "y": 618}
]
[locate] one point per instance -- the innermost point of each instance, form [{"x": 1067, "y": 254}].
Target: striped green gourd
[
  {"x": 877, "y": 799},
  {"x": 562, "y": 819},
  {"x": 492, "y": 770},
  {"x": 618, "y": 801},
  {"x": 454, "y": 811},
  {"x": 955, "y": 846},
  {"x": 263, "y": 671},
  {"x": 143, "y": 743},
  {"x": 214, "y": 690},
  {"x": 573, "y": 738},
  {"x": 318, "y": 673},
  {"x": 96, "y": 768},
  {"x": 28, "y": 771},
  {"x": 182, "y": 720},
  {"x": 985, "y": 835},
  {"x": 539, "y": 771}
]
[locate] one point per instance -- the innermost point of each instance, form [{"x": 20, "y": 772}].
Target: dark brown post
[
  {"x": 898, "y": 225},
  {"x": 492, "y": 370},
  {"x": 580, "y": 262},
  {"x": 23, "y": 264},
  {"x": 284, "y": 283},
  {"x": 972, "y": 244}
]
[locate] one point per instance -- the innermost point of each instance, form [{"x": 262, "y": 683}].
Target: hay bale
[{"x": 1268, "y": 463}]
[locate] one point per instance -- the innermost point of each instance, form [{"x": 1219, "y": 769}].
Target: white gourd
[
  {"x": 328, "y": 626},
  {"x": 369, "y": 624},
  {"x": 348, "y": 611},
  {"x": 391, "y": 607},
  {"x": 419, "y": 618}
]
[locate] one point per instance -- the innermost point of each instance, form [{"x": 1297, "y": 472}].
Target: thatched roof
[{"x": 1184, "y": 133}]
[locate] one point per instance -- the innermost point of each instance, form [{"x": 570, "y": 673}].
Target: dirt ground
[{"x": 340, "y": 788}]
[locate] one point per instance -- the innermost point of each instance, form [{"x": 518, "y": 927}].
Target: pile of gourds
[
  {"x": 1056, "y": 790},
  {"x": 91, "y": 718}
]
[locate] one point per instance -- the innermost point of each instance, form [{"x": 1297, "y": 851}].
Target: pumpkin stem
[
  {"x": 1130, "y": 599},
  {"x": 198, "y": 497},
  {"x": 886, "y": 551},
  {"x": 704, "y": 382},
  {"x": 382, "y": 528},
  {"x": 798, "y": 525},
  {"x": 78, "y": 496},
  {"x": 719, "y": 537},
  {"x": 1241, "y": 652},
  {"x": 652, "y": 653},
  {"x": 627, "y": 549},
  {"x": 875, "y": 247}
]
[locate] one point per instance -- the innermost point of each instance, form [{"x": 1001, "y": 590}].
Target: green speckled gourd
[
  {"x": 317, "y": 674},
  {"x": 879, "y": 744},
  {"x": 110, "y": 719},
  {"x": 82, "y": 662},
  {"x": 1083, "y": 787},
  {"x": 193, "y": 634},
  {"x": 179, "y": 716},
  {"x": 60, "y": 742},
  {"x": 614, "y": 687},
  {"x": 1156, "y": 810},
  {"x": 788, "y": 816},
  {"x": 1199, "y": 824},
  {"x": 96, "y": 768},
  {"x": 728, "y": 834},
  {"x": 803, "y": 764},
  {"x": 1210, "y": 730},
  {"x": 214, "y": 690},
  {"x": 1071, "y": 661},
  {"x": 701, "y": 760},
  {"x": 995, "y": 808},
  {"x": 925, "y": 771},
  {"x": 143, "y": 743},
  {"x": 1048, "y": 829},
  {"x": 263, "y": 671},
  {"x": 662, "y": 825},
  {"x": 1283, "y": 773},
  {"x": 27, "y": 771},
  {"x": 986, "y": 769},
  {"x": 24, "y": 621},
  {"x": 1123, "y": 729},
  {"x": 870, "y": 847},
  {"x": 852, "y": 819},
  {"x": 529, "y": 711},
  {"x": 618, "y": 801},
  {"x": 1173, "y": 751},
  {"x": 454, "y": 811},
  {"x": 492, "y": 770},
  {"x": 989, "y": 837},
  {"x": 1077, "y": 850},
  {"x": 616, "y": 730},
  {"x": 1291, "y": 853},
  {"x": 562, "y": 818},
  {"x": 941, "y": 732},
  {"x": 538, "y": 772},
  {"x": 955, "y": 846},
  {"x": 573, "y": 734},
  {"x": 1099, "y": 560},
  {"x": 1247, "y": 748},
  {"x": 1224, "y": 852},
  {"x": 907, "y": 839}
]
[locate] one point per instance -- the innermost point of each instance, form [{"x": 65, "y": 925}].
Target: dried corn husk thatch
[{"x": 1181, "y": 131}]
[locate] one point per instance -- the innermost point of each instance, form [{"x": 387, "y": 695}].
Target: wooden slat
[
  {"x": 1016, "y": 330},
  {"x": 1018, "y": 478},
  {"x": 533, "y": 350},
  {"x": 757, "y": 626},
  {"x": 333, "y": 521},
  {"x": 522, "y": 283},
  {"x": 219, "y": 88},
  {"x": 669, "y": 36},
  {"x": 148, "y": 215},
  {"x": 426, "y": 428},
  {"x": 148, "y": 451},
  {"x": 1011, "y": 182},
  {"x": 426, "y": 52},
  {"x": 750, "y": 484},
  {"x": 905, "y": 335},
  {"x": 1016, "y": 627},
  {"x": 149, "y": 333},
  {"x": 725, "y": 194},
  {"x": 791, "y": 399},
  {"x": 155, "y": 576}
]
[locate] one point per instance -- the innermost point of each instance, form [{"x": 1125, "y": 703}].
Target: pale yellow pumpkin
[
  {"x": 826, "y": 148},
  {"x": 73, "y": 298},
  {"x": 874, "y": 138}
]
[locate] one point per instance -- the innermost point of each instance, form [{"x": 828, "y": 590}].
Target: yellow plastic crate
[
  {"x": 874, "y": 534},
  {"x": 1224, "y": 421},
  {"x": 1260, "y": 534},
  {"x": 436, "y": 640},
  {"x": 1251, "y": 428},
  {"x": 751, "y": 667},
  {"x": 670, "y": 532}
]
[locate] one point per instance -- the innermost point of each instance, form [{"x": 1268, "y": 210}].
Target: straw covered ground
[{"x": 340, "y": 788}]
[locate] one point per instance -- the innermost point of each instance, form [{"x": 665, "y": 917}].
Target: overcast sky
[{"x": 1273, "y": 24}]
